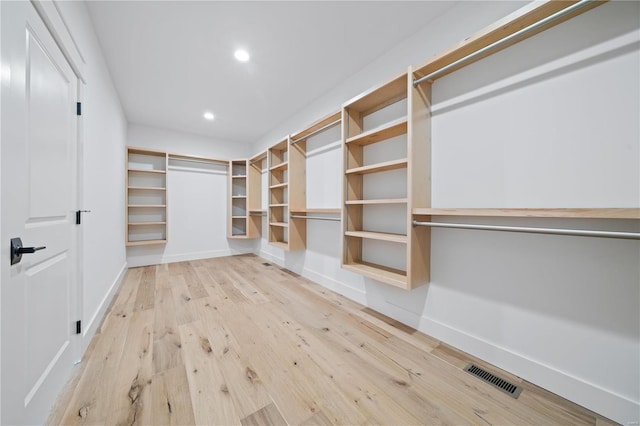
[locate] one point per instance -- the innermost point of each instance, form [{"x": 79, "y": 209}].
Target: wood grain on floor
[{"x": 234, "y": 341}]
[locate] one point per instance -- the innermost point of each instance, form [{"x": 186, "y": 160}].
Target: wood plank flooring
[{"x": 235, "y": 340}]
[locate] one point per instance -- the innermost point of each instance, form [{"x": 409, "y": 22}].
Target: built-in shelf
[
  {"x": 280, "y": 166},
  {"x": 378, "y": 201},
  {"x": 379, "y": 167},
  {"x": 381, "y": 236},
  {"x": 279, "y": 185},
  {"x": 244, "y": 189},
  {"x": 281, "y": 224},
  {"x": 312, "y": 210},
  {"x": 239, "y": 176},
  {"x": 390, "y": 130},
  {"x": 148, "y": 171},
  {"x": 595, "y": 213},
  {"x": 278, "y": 205},
  {"x": 238, "y": 196},
  {"x": 256, "y": 211},
  {"x": 144, "y": 206},
  {"x": 145, "y": 242},
  {"x": 381, "y": 273},
  {"x": 238, "y": 217},
  {"x": 146, "y": 223},
  {"x": 147, "y": 188}
]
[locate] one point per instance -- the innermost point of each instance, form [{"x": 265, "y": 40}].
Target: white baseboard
[
  {"x": 599, "y": 400},
  {"x": 92, "y": 325},
  {"x": 157, "y": 259}
]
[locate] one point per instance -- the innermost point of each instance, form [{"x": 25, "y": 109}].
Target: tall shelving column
[
  {"x": 254, "y": 195},
  {"x": 286, "y": 189},
  {"x": 397, "y": 115},
  {"x": 146, "y": 196},
  {"x": 238, "y": 212}
]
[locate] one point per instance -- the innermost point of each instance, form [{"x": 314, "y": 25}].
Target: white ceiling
[{"x": 171, "y": 61}]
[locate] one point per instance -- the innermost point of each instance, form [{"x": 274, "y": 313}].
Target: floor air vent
[
  {"x": 495, "y": 381},
  {"x": 266, "y": 264}
]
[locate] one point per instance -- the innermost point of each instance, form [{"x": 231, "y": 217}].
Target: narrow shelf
[
  {"x": 141, "y": 206},
  {"x": 391, "y": 276},
  {"x": 281, "y": 244},
  {"x": 281, "y": 224},
  {"x": 378, "y": 201},
  {"x": 380, "y": 167},
  {"x": 147, "y": 188},
  {"x": 239, "y": 176},
  {"x": 280, "y": 166},
  {"x": 596, "y": 213},
  {"x": 381, "y": 236},
  {"x": 238, "y": 217},
  {"x": 280, "y": 185},
  {"x": 312, "y": 210},
  {"x": 147, "y": 171},
  {"x": 256, "y": 211},
  {"x": 145, "y": 242},
  {"x": 381, "y": 96},
  {"x": 240, "y": 236},
  {"x": 238, "y": 196},
  {"x": 146, "y": 223},
  {"x": 386, "y": 131},
  {"x": 278, "y": 205}
]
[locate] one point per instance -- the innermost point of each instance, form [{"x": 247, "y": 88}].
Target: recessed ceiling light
[
  {"x": 208, "y": 115},
  {"x": 241, "y": 55}
]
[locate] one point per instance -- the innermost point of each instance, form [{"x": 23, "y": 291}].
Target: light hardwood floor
[{"x": 235, "y": 340}]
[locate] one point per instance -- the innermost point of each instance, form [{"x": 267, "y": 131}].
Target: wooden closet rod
[
  {"x": 511, "y": 38},
  {"x": 551, "y": 231}
]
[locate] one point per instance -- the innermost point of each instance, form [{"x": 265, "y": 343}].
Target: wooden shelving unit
[
  {"x": 146, "y": 196},
  {"x": 362, "y": 130},
  {"x": 286, "y": 182},
  {"x": 596, "y": 213},
  {"x": 243, "y": 194}
]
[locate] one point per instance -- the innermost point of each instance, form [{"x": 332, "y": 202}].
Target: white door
[{"x": 38, "y": 166}]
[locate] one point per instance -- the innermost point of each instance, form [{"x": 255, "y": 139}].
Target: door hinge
[
  {"x": 78, "y": 108},
  {"x": 78, "y": 327}
]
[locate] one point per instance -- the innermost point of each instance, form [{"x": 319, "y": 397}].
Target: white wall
[
  {"x": 103, "y": 140},
  {"x": 551, "y": 122},
  {"x": 196, "y": 198}
]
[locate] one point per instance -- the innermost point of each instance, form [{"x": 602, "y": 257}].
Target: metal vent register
[{"x": 495, "y": 381}]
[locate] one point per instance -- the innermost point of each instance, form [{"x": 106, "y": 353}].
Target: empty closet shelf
[
  {"x": 381, "y": 133},
  {"x": 144, "y": 206},
  {"x": 146, "y": 223},
  {"x": 387, "y": 275},
  {"x": 147, "y": 188},
  {"x": 280, "y": 166},
  {"x": 379, "y": 167},
  {"x": 281, "y": 224},
  {"x": 147, "y": 171},
  {"x": 381, "y": 236},
  {"x": 378, "y": 201}
]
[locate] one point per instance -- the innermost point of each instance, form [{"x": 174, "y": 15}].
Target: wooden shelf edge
[
  {"x": 257, "y": 211},
  {"x": 381, "y": 236},
  {"x": 380, "y": 96},
  {"x": 280, "y": 224},
  {"x": 238, "y": 196},
  {"x": 386, "y": 131},
  {"x": 145, "y": 242},
  {"x": 379, "y": 167},
  {"x": 318, "y": 124},
  {"x": 239, "y": 176},
  {"x": 146, "y": 223},
  {"x": 379, "y": 273},
  {"x": 280, "y": 185},
  {"x": 145, "y": 151},
  {"x": 280, "y": 166},
  {"x": 578, "y": 213},
  {"x": 378, "y": 201},
  {"x": 147, "y": 171},
  {"x": 312, "y": 210},
  {"x": 142, "y": 206},
  {"x": 147, "y": 188},
  {"x": 278, "y": 205},
  {"x": 240, "y": 237}
]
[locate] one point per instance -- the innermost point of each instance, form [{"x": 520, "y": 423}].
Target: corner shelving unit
[
  {"x": 146, "y": 196},
  {"x": 286, "y": 183},
  {"x": 254, "y": 194},
  {"x": 396, "y": 114}
]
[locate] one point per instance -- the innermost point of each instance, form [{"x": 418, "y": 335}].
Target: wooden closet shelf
[
  {"x": 595, "y": 213},
  {"x": 147, "y": 188},
  {"x": 280, "y": 166},
  {"x": 145, "y": 242},
  {"x": 238, "y": 217},
  {"x": 380, "y": 167},
  {"x": 147, "y": 171},
  {"x": 381, "y": 133},
  {"x": 280, "y": 224},
  {"x": 239, "y": 176},
  {"x": 312, "y": 210},
  {"x": 380, "y": 97},
  {"x": 143, "y": 206},
  {"x": 384, "y": 274},
  {"x": 146, "y": 223},
  {"x": 256, "y": 211},
  {"x": 238, "y": 196},
  {"x": 381, "y": 236},
  {"x": 279, "y": 185},
  {"x": 378, "y": 201},
  {"x": 278, "y": 205}
]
